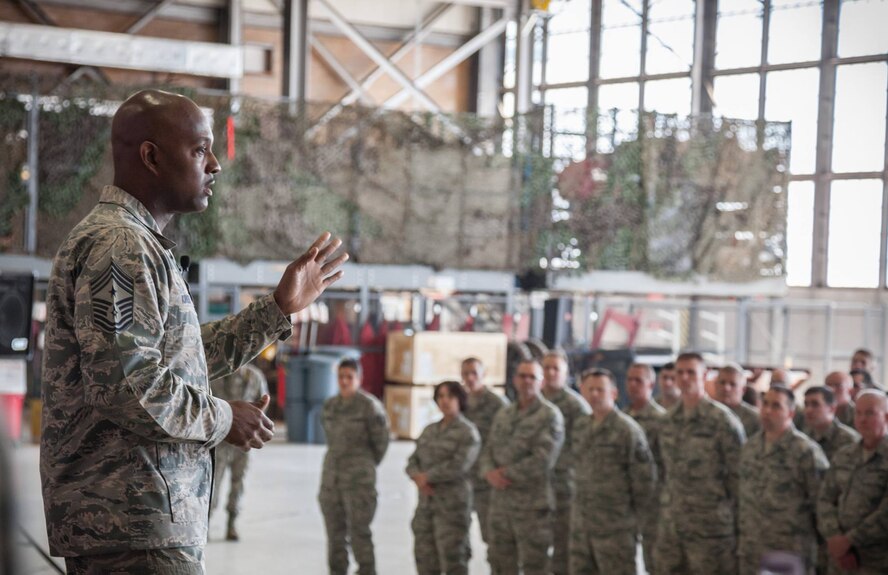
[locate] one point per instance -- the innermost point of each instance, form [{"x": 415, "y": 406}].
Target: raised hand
[{"x": 308, "y": 276}]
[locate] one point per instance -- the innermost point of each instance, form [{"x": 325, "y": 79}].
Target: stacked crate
[{"x": 415, "y": 363}]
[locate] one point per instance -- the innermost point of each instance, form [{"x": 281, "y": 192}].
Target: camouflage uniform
[
  {"x": 246, "y": 384},
  {"x": 845, "y": 413},
  {"x": 778, "y": 498},
  {"x": 854, "y": 501},
  {"x": 526, "y": 443},
  {"x": 616, "y": 479},
  {"x": 481, "y": 410},
  {"x": 749, "y": 417},
  {"x": 128, "y": 418},
  {"x": 447, "y": 453},
  {"x": 835, "y": 438},
  {"x": 357, "y": 432},
  {"x": 651, "y": 418},
  {"x": 701, "y": 459},
  {"x": 572, "y": 407}
]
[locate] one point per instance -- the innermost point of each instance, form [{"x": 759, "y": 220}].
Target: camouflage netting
[{"x": 423, "y": 189}]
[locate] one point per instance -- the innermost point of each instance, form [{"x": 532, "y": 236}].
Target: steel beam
[
  {"x": 413, "y": 38},
  {"x": 339, "y": 69},
  {"x": 524, "y": 58},
  {"x": 883, "y": 249},
  {"x": 295, "y": 52},
  {"x": 592, "y": 83},
  {"x": 374, "y": 54},
  {"x": 235, "y": 33},
  {"x": 33, "y": 171},
  {"x": 452, "y": 60},
  {"x": 93, "y": 48},
  {"x": 490, "y": 70},
  {"x": 706, "y": 20},
  {"x": 825, "y": 117}
]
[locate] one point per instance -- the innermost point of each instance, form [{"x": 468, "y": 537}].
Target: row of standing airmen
[{"x": 564, "y": 482}]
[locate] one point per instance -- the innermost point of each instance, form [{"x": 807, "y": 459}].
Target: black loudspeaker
[
  {"x": 557, "y": 317},
  {"x": 16, "y": 306}
]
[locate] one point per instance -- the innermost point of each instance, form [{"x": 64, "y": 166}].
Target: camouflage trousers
[
  {"x": 482, "y": 508},
  {"x": 676, "y": 554},
  {"x": 561, "y": 531},
  {"x": 649, "y": 526},
  {"x": 595, "y": 554},
  {"x": 519, "y": 539},
  {"x": 441, "y": 540},
  {"x": 230, "y": 457},
  {"x": 348, "y": 512},
  {"x": 177, "y": 561}
]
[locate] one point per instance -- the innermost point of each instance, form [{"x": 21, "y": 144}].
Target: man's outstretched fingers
[
  {"x": 333, "y": 279},
  {"x": 328, "y": 249},
  {"x": 330, "y": 267}
]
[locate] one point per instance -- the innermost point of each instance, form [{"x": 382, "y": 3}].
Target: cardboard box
[
  {"x": 411, "y": 408},
  {"x": 430, "y": 357}
]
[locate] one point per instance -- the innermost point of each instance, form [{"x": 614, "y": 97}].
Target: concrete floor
[{"x": 281, "y": 527}]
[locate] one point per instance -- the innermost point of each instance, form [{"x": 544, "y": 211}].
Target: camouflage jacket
[
  {"x": 615, "y": 473},
  {"x": 749, "y": 417},
  {"x": 572, "y": 407},
  {"x": 447, "y": 453},
  {"x": 854, "y": 501},
  {"x": 845, "y": 413},
  {"x": 526, "y": 443},
  {"x": 128, "y": 417},
  {"x": 481, "y": 410},
  {"x": 835, "y": 438},
  {"x": 778, "y": 494},
  {"x": 357, "y": 432},
  {"x": 246, "y": 384},
  {"x": 651, "y": 418},
  {"x": 701, "y": 460}
]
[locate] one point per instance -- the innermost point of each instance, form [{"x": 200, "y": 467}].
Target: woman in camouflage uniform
[{"x": 440, "y": 467}]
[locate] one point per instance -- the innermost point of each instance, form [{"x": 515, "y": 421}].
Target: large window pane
[
  {"x": 570, "y": 109},
  {"x": 670, "y": 43},
  {"x": 568, "y": 50},
  {"x": 862, "y": 28},
  {"x": 795, "y": 33},
  {"x": 737, "y": 96},
  {"x": 668, "y": 96},
  {"x": 855, "y": 223},
  {"x": 620, "y": 39},
  {"x": 799, "y": 233},
  {"x": 738, "y": 40},
  {"x": 567, "y": 59},
  {"x": 617, "y": 114},
  {"x": 859, "y": 128},
  {"x": 791, "y": 96}
]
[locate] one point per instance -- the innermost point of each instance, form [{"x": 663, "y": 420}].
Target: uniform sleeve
[
  {"x": 828, "y": 505},
  {"x": 732, "y": 439},
  {"x": 233, "y": 341},
  {"x": 460, "y": 463},
  {"x": 874, "y": 526},
  {"x": 813, "y": 469},
  {"x": 542, "y": 455},
  {"x": 378, "y": 428},
  {"x": 486, "y": 464},
  {"x": 122, "y": 304},
  {"x": 413, "y": 461},
  {"x": 642, "y": 472}
]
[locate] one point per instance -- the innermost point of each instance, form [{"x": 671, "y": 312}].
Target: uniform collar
[
  {"x": 781, "y": 442},
  {"x": 117, "y": 196}
]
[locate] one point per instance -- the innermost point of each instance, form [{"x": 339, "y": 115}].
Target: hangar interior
[{"x": 608, "y": 177}]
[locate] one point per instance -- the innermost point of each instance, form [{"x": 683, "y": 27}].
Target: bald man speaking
[{"x": 129, "y": 421}]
